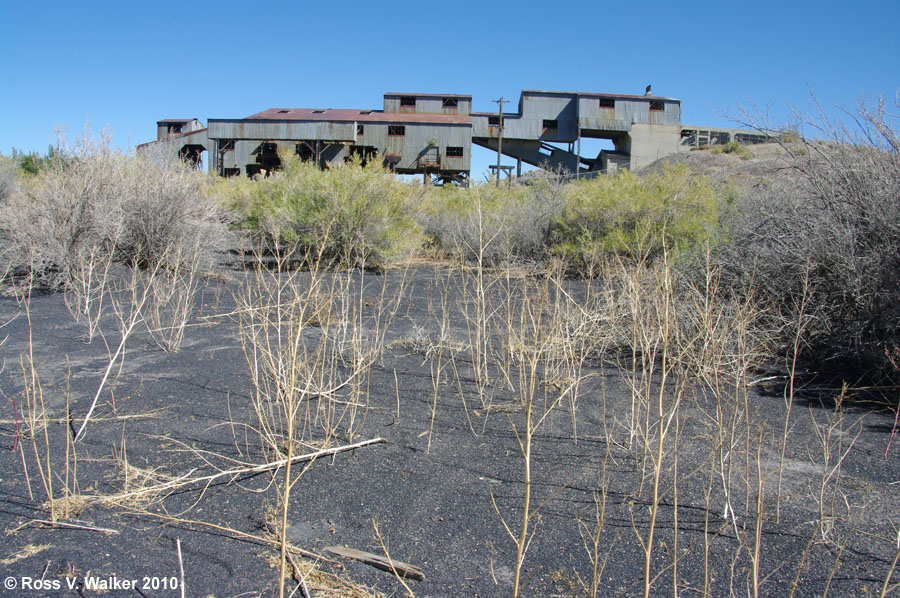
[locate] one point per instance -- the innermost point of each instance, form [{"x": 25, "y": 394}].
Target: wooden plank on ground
[{"x": 402, "y": 569}]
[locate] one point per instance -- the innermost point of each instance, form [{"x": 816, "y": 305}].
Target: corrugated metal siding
[
  {"x": 245, "y": 129},
  {"x": 416, "y": 139},
  {"x": 594, "y": 118},
  {"x": 538, "y": 107},
  {"x": 428, "y": 104},
  {"x": 638, "y": 111},
  {"x": 419, "y": 137}
]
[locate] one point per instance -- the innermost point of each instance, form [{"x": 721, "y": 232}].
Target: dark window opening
[
  {"x": 451, "y": 103},
  {"x": 407, "y": 100},
  {"x": 396, "y": 130},
  {"x": 318, "y": 112},
  {"x": 226, "y": 172},
  {"x": 551, "y": 124},
  {"x": 226, "y": 145},
  {"x": 454, "y": 152},
  {"x": 607, "y": 103},
  {"x": 267, "y": 158},
  {"x": 283, "y": 111},
  {"x": 365, "y": 112},
  {"x": 305, "y": 152},
  {"x": 363, "y": 153},
  {"x": 174, "y": 128},
  {"x": 192, "y": 155},
  {"x": 360, "y": 129},
  {"x": 657, "y": 106},
  {"x": 494, "y": 121}
]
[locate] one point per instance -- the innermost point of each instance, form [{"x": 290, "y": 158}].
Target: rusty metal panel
[
  {"x": 539, "y": 107},
  {"x": 638, "y": 111},
  {"x": 428, "y": 103},
  {"x": 408, "y": 151},
  {"x": 249, "y": 129}
]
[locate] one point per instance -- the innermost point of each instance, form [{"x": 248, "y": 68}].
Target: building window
[
  {"x": 226, "y": 145},
  {"x": 454, "y": 152},
  {"x": 657, "y": 106},
  {"x": 494, "y": 121},
  {"x": 175, "y": 128},
  {"x": 407, "y": 100},
  {"x": 360, "y": 129},
  {"x": 550, "y": 124},
  {"x": 607, "y": 103},
  {"x": 451, "y": 103},
  {"x": 318, "y": 112},
  {"x": 283, "y": 111},
  {"x": 396, "y": 130}
]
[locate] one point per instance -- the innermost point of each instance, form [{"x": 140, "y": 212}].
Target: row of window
[
  {"x": 226, "y": 145},
  {"x": 655, "y": 105},
  {"x": 446, "y": 103},
  {"x": 606, "y": 103},
  {"x": 547, "y": 123}
]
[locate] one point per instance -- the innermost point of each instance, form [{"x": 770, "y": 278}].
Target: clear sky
[{"x": 125, "y": 64}]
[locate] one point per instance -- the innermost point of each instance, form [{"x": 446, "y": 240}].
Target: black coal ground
[{"x": 439, "y": 507}]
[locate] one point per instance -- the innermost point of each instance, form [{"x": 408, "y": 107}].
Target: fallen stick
[
  {"x": 379, "y": 562},
  {"x": 186, "y": 480},
  {"x": 234, "y": 532},
  {"x": 89, "y": 528},
  {"x": 298, "y": 576}
]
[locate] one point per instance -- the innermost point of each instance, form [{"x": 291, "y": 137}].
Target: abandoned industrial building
[{"x": 432, "y": 134}]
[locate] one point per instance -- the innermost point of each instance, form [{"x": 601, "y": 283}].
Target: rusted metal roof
[
  {"x": 166, "y": 121},
  {"x": 594, "y": 94},
  {"x": 171, "y": 137},
  {"x": 345, "y": 115},
  {"x": 430, "y": 95}
]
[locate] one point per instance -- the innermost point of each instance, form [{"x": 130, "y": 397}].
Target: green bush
[
  {"x": 733, "y": 147},
  {"x": 636, "y": 216},
  {"x": 350, "y": 215}
]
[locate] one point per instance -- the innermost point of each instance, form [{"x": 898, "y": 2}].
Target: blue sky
[{"x": 125, "y": 65}]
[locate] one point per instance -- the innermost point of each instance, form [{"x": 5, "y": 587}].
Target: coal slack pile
[{"x": 430, "y": 430}]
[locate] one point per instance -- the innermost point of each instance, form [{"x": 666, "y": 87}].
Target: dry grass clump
[
  {"x": 8, "y": 172},
  {"x": 91, "y": 206},
  {"x": 493, "y": 224},
  {"x": 310, "y": 340}
]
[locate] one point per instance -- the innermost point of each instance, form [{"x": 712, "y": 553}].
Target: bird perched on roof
[{"x": 647, "y": 91}]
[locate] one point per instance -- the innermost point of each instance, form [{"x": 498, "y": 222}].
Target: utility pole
[{"x": 500, "y": 138}]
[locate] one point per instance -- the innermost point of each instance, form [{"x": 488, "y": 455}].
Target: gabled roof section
[
  {"x": 173, "y": 138},
  {"x": 347, "y": 115}
]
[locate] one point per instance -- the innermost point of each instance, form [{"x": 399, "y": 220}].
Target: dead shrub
[
  {"x": 493, "y": 224},
  {"x": 94, "y": 205},
  {"x": 832, "y": 232}
]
